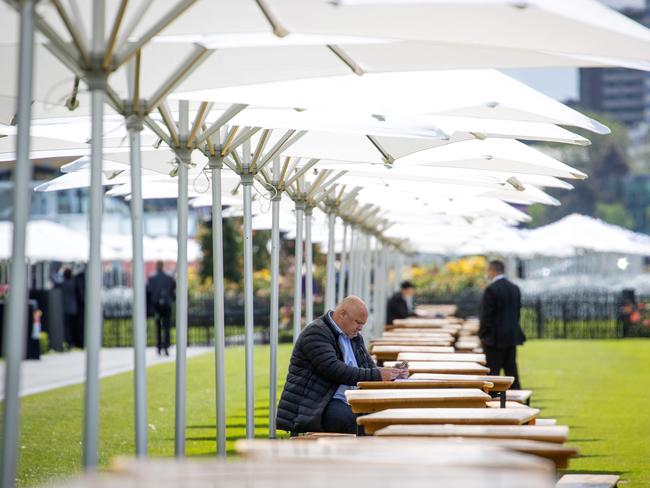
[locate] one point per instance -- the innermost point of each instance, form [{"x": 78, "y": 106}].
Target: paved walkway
[{"x": 55, "y": 370}]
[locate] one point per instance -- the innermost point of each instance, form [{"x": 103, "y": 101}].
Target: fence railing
[{"x": 590, "y": 315}]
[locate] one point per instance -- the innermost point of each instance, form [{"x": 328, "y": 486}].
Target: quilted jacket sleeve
[{"x": 320, "y": 351}]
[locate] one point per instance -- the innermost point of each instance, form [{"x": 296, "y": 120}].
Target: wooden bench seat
[
  {"x": 437, "y": 356},
  {"x": 501, "y": 383},
  {"x": 521, "y": 396},
  {"x": 450, "y": 367},
  {"x": 368, "y": 401},
  {"x": 554, "y": 433},
  {"x": 588, "y": 481}
]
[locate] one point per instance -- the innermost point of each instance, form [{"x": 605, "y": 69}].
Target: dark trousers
[
  {"x": 70, "y": 329},
  {"x": 338, "y": 417},
  {"x": 163, "y": 325},
  {"x": 505, "y": 358}
]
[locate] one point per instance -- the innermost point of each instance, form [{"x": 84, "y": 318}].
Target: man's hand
[{"x": 389, "y": 374}]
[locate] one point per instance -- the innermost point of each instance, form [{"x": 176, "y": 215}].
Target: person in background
[
  {"x": 329, "y": 358},
  {"x": 400, "y": 305},
  {"x": 500, "y": 331},
  {"x": 71, "y": 309},
  {"x": 161, "y": 288}
]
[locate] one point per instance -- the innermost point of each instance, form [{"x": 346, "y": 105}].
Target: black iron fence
[{"x": 580, "y": 315}]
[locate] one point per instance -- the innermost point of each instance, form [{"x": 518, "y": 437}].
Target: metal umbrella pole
[
  {"x": 331, "y": 272},
  {"x": 134, "y": 126},
  {"x": 216, "y": 165},
  {"x": 93, "y": 309},
  {"x": 275, "y": 298},
  {"x": 247, "y": 183},
  {"x": 309, "y": 281},
  {"x": 15, "y": 317},
  {"x": 297, "y": 283},
  {"x": 183, "y": 155},
  {"x": 343, "y": 264}
]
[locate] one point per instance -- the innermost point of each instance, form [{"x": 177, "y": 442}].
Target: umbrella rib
[
  {"x": 191, "y": 63},
  {"x": 110, "y": 47},
  {"x": 303, "y": 170},
  {"x": 135, "y": 20},
  {"x": 163, "y": 109},
  {"x": 136, "y": 83},
  {"x": 288, "y": 139},
  {"x": 346, "y": 59},
  {"x": 72, "y": 30},
  {"x": 277, "y": 28},
  {"x": 228, "y": 114},
  {"x": 283, "y": 171},
  {"x": 261, "y": 144},
  {"x": 388, "y": 159},
  {"x": 204, "y": 109},
  {"x": 154, "y": 30},
  {"x": 153, "y": 125}
]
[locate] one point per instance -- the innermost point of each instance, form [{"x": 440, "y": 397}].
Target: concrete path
[{"x": 55, "y": 370}]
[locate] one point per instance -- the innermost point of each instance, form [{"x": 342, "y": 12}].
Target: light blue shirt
[{"x": 348, "y": 358}]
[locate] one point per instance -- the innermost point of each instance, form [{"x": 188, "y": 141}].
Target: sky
[{"x": 561, "y": 83}]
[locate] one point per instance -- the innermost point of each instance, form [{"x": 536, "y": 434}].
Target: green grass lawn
[{"x": 599, "y": 388}]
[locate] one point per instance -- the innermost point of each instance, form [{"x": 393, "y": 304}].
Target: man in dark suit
[
  {"x": 400, "y": 305},
  {"x": 500, "y": 332},
  {"x": 161, "y": 289}
]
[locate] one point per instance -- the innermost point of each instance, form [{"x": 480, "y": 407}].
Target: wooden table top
[
  {"x": 436, "y": 356},
  {"x": 457, "y": 367},
  {"x": 432, "y": 452},
  {"x": 368, "y": 401},
  {"x": 441, "y": 383},
  {"x": 427, "y": 322},
  {"x": 405, "y": 333},
  {"x": 477, "y": 416},
  {"x": 398, "y": 341},
  {"x": 501, "y": 383},
  {"x": 383, "y": 352},
  {"x": 546, "y": 433},
  {"x": 555, "y": 452},
  {"x": 513, "y": 470}
]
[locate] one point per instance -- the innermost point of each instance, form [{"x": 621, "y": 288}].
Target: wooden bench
[
  {"x": 555, "y": 452},
  {"x": 437, "y": 356},
  {"x": 513, "y": 470},
  {"x": 410, "y": 341},
  {"x": 472, "y": 416},
  {"x": 389, "y": 353},
  {"x": 508, "y": 404},
  {"x": 368, "y": 401},
  {"x": 556, "y": 433},
  {"x": 440, "y": 383},
  {"x": 449, "y": 367},
  {"x": 588, "y": 481},
  {"x": 546, "y": 422},
  {"x": 521, "y": 396}
]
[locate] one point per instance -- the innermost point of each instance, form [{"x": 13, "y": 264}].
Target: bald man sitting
[{"x": 328, "y": 358}]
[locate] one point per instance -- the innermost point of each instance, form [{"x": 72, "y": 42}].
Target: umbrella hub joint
[
  {"x": 96, "y": 78},
  {"x": 134, "y": 122},
  {"x": 309, "y": 210},
  {"x": 183, "y": 155},
  {"x": 216, "y": 161},
  {"x": 300, "y": 203},
  {"x": 247, "y": 179}
]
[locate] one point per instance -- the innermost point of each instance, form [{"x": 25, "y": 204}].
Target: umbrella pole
[
  {"x": 183, "y": 156},
  {"x": 134, "y": 127},
  {"x": 216, "y": 165},
  {"x": 341, "y": 290},
  {"x": 275, "y": 299},
  {"x": 330, "y": 286},
  {"x": 93, "y": 312},
  {"x": 247, "y": 183},
  {"x": 297, "y": 291},
  {"x": 16, "y": 311},
  {"x": 309, "y": 281}
]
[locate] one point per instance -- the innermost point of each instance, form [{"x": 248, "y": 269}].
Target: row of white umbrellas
[{"x": 272, "y": 89}]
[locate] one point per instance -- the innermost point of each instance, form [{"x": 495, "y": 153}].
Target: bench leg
[
  {"x": 502, "y": 399},
  {"x": 361, "y": 432}
]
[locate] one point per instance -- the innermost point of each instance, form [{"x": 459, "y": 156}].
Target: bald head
[{"x": 351, "y": 315}]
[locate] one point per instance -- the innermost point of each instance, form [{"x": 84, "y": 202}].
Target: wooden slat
[
  {"x": 437, "y": 356},
  {"x": 588, "y": 481},
  {"x": 554, "y": 433},
  {"x": 501, "y": 383},
  {"x": 473, "y": 416},
  {"x": 454, "y": 367},
  {"x": 442, "y": 383},
  {"x": 367, "y": 401}
]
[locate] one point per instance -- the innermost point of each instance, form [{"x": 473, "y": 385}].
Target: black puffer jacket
[{"x": 315, "y": 372}]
